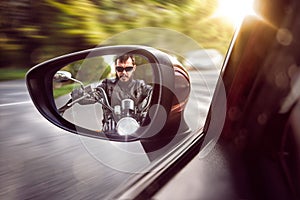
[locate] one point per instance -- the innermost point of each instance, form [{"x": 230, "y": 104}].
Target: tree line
[{"x": 34, "y": 31}]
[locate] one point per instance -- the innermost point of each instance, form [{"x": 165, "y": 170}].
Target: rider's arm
[
  {"x": 146, "y": 90},
  {"x": 146, "y": 94}
]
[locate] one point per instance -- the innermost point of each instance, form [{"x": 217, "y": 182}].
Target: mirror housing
[{"x": 170, "y": 93}]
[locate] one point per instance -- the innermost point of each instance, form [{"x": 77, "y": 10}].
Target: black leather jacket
[{"x": 116, "y": 91}]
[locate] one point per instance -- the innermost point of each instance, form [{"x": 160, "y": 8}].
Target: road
[{"x": 40, "y": 161}]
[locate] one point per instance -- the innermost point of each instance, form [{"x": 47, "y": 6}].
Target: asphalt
[{"x": 40, "y": 161}]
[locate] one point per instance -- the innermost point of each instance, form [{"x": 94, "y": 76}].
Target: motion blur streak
[
  {"x": 39, "y": 160},
  {"x": 13, "y": 104}
]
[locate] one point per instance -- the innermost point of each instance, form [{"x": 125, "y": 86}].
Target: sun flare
[{"x": 234, "y": 10}]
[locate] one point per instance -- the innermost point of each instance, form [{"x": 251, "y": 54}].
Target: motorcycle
[{"x": 122, "y": 119}]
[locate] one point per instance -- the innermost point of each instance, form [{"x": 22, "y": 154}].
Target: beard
[{"x": 124, "y": 77}]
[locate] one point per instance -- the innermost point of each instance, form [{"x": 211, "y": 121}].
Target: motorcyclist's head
[{"x": 125, "y": 66}]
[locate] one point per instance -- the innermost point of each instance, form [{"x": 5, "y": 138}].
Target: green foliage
[
  {"x": 9, "y": 74},
  {"x": 34, "y": 31},
  {"x": 89, "y": 69},
  {"x": 63, "y": 90}
]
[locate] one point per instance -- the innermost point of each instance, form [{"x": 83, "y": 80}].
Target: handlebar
[
  {"x": 77, "y": 100},
  {"x": 103, "y": 100}
]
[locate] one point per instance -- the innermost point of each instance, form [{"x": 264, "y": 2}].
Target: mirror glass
[{"x": 109, "y": 93}]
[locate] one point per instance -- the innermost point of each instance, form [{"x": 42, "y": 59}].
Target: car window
[{"x": 52, "y": 162}]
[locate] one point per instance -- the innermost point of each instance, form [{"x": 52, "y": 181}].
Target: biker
[{"x": 121, "y": 87}]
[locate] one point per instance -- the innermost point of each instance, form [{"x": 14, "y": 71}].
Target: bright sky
[{"x": 234, "y": 10}]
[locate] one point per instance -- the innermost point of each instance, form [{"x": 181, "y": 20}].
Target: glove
[{"x": 79, "y": 92}]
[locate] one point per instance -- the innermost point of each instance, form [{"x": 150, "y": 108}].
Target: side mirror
[
  {"x": 61, "y": 76},
  {"x": 52, "y": 84}
]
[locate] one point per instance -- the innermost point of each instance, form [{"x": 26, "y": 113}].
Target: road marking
[
  {"x": 16, "y": 103},
  {"x": 11, "y": 85},
  {"x": 16, "y": 93}
]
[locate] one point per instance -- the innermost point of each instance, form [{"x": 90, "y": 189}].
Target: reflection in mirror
[
  {"x": 109, "y": 93},
  {"x": 62, "y": 76}
]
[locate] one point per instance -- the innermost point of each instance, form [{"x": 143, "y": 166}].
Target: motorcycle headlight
[{"x": 127, "y": 126}]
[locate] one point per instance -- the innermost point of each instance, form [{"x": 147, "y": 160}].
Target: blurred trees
[{"x": 34, "y": 31}]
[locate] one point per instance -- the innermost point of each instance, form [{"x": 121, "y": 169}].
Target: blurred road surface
[{"x": 40, "y": 161}]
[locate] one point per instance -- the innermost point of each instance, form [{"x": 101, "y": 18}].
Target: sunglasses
[{"x": 121, "y": 69}]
